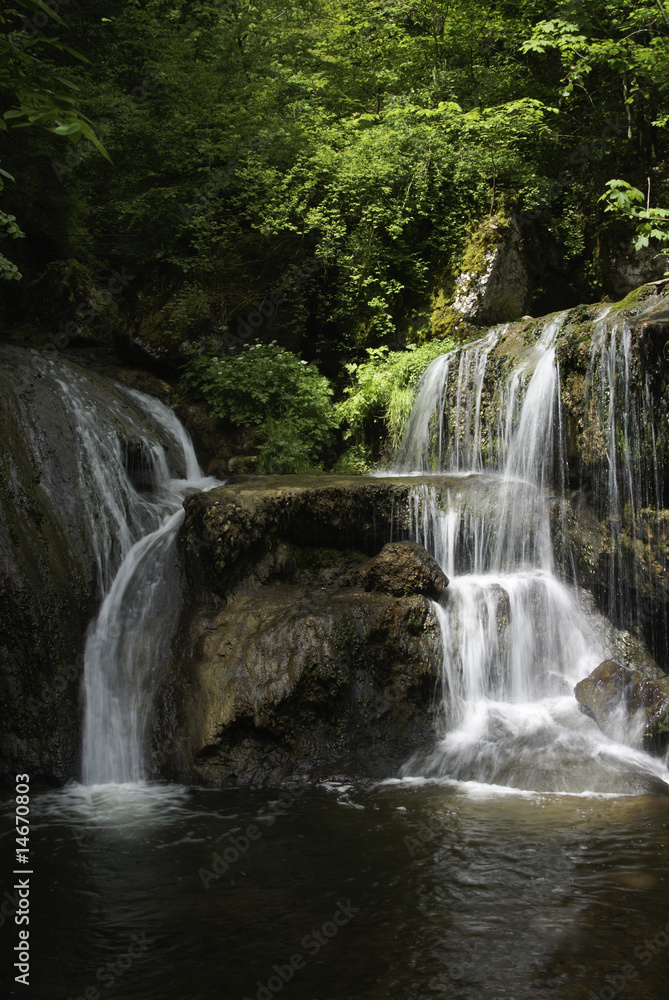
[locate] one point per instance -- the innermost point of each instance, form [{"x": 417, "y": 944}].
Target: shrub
[
  {"x": 381, "y": 397},
  {"x": 267, "y": 388}
]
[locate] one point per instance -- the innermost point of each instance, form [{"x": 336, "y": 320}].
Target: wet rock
[
  {"x": 215, "y": 441},
  {"x": 292, "y": 680},
  {"x": 133, "y": 378},
  {"x": 628, "y": 705},
  {"x": 228, "y": 529},
  {"x": 403, "y": 568},
  {"x": 242, "y": 464},
  {"x": 288, "y": 666}
]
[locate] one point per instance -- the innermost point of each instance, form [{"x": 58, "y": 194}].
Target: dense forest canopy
[{"x": 311, "y": 172}]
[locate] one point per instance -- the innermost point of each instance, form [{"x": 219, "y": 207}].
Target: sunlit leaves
[{"x": 651, "y": 223}]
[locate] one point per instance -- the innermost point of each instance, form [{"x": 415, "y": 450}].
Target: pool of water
[{"x": 410, "y": 889}]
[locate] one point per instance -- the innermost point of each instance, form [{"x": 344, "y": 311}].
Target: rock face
[
  {"x": 626, "y": 271},
  {"x": 497, "y": 289},
  {"x": 297, "y": 658},
  {"x": 230, "y": 531},
  {"x": 628, "y": 705},
  {"x": 404, "y": 568},
  {"x": 612, "y": 530}
]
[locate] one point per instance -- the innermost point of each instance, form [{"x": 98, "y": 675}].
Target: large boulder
[
  {"x": 627, "y": 704},
  {"x": 494, "y": 284},
  {"x": 288, "y": 680},
  {"x": 404, "y": 568},
  {"x": 299, "y": 653}
]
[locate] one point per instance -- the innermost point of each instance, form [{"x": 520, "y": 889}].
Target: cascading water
[
  {"x": 134, "y": 505},
  {"x": 515, "y": 637},
  {"x": 130, "y": 641},
  {"x": 624, "y": 471}
]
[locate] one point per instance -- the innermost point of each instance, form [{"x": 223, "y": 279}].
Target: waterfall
[
  {"x": 426, "y": 444},
  {"x": 515, "y": 636},
  {"x": 136, "y": 465},
  {"x": 625, "y": 473},
  {"x": 130, "y": 641}
]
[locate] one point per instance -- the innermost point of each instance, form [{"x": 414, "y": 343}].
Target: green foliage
[
  {"x": 286, "y": 401},
  {"x": 383, "y": 390},
  {"x": 366, "y": 136},
  {"x": 285, "y": 448},
  {"x": 628, "y": 39},
  {"x": 8, "y": 270},
  {"x": 33, "y": 93},
  {"x": 355, "y": 461},
  {"x": 651, "y": 223}
]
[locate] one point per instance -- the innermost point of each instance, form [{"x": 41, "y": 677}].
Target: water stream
[
  {"x": 516, "y": 636},
  {"x": 135, "y": 508}
]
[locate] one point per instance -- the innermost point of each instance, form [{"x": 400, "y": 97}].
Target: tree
[
  {"x": 599, "y": 43},
  {"x": 33, "y": 93}
]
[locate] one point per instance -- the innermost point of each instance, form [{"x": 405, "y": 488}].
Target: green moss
[
  {"x": 446, "y": 323},
  {"x": 485, "y": 239},
  {"x": 635, "y": 298},
  {"x": 662, "y": 724}
]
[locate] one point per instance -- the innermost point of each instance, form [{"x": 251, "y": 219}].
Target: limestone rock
[
  {"x": 628, "y": 705},
  {"x": 288, "y": 666},
  {"x": 228, "y": 529},
  {"x": 496, "y": 289},
  {"x": 404, "y": 568}
]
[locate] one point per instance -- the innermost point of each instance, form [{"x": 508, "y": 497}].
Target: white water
[
  {"x": 624, "y": 472},
  {"x": 515, "y": 637},
  {"x": 134, "y": 531}
]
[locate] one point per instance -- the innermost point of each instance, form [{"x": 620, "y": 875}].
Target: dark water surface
[{"x": 416, "y": 890}]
